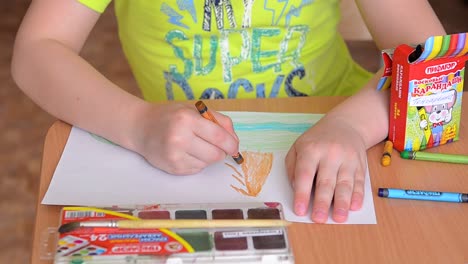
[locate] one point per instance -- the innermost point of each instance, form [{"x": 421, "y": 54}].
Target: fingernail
[
  {"x": 320, "y": 215},
  {"x": 341, "y": 212},
  {"x": 340, "y": 215},
  {"x": 355, "y": 204},
  {"x": 300, "y": 209}
]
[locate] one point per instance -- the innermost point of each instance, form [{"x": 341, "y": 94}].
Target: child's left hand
[{"x": 335, "y": 153}]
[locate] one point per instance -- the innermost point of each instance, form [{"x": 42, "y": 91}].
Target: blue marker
[{"x": 424, "y": 195}]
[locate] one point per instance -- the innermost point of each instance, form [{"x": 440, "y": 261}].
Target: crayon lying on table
[
  {"x": 423, "y": 195},
  {"x": 427, "y": 156},
  {"x": 387, "y": 153}
]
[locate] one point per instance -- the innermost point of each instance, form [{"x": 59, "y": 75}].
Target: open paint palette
[{"x": 176, "y": 245}]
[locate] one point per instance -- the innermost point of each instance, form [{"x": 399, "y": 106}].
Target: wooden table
[{"x": 406, "y": 231}]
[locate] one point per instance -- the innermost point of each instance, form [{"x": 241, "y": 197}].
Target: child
[{"x": 191, "y": 49}]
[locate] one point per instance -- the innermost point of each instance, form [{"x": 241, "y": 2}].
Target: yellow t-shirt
[{"x": 199, "y": 49}]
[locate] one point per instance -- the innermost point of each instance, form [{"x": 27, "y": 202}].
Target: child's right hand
[
  {"x": 46, "y": 65},
  {"x": 177, "y": 139}
]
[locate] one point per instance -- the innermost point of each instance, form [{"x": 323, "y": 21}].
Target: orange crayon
[
  {"x": 464, "y": 50},
  {"x": 203, "y": 110}
]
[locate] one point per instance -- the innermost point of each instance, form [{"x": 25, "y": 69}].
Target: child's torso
[{"x": 190, "y": 49}]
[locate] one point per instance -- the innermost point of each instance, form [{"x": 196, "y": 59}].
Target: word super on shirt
[{"x": 199, "y": 49}]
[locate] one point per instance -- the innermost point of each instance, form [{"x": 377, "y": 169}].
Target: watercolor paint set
[
  {"x": 93, "y": 240},
  {"x": 426, "y": 83}
]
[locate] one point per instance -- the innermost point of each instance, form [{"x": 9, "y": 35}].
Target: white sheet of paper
[{"x": 94, "y": 172}]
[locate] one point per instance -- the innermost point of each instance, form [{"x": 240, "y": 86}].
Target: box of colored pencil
[
  {"x": 191, "y": 233},
  {"x": 426, "y": 91}
]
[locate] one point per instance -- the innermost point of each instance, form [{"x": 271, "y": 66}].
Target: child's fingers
[
  {"x": 343, "y": 192},
  {"x": 226, "y": 123},
  {"x": 216, "y": 135},
  {"x": 304, "y": 173},
  {"x": 290, "y": 162},
  {"x": 357, "y": 197},
  {"x": 204, "y": 151},
  {"x": 324, "y": 190},
  {"x": 190, "y": 165}
]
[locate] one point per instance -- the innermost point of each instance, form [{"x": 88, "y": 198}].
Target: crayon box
[{"x": 426, "y": 92}]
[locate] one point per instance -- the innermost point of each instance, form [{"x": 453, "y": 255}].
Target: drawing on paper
[
  {"x": 259, "y": 142},
  {"x": 255, "y": 170}
]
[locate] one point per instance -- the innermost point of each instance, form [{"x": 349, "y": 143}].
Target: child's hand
[
  {"x": 336, "y": 154},
  {"x": 178, "y": 140}
]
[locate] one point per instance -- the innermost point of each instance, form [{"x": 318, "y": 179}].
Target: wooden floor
[{"x": 23, "y": 125}]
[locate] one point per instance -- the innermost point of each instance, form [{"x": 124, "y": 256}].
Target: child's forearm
[
  {"x": 396, "y": 22},
  {"x": 66, "y": 86},
  {"x": 367, "y": 112}
]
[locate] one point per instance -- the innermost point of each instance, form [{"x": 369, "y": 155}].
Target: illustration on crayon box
[
  {"x": 435, "y": 114},
  {"x": 426, "y": 91}
]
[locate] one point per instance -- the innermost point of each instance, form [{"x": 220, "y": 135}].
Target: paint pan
[{"x": 178, "y": 245}]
